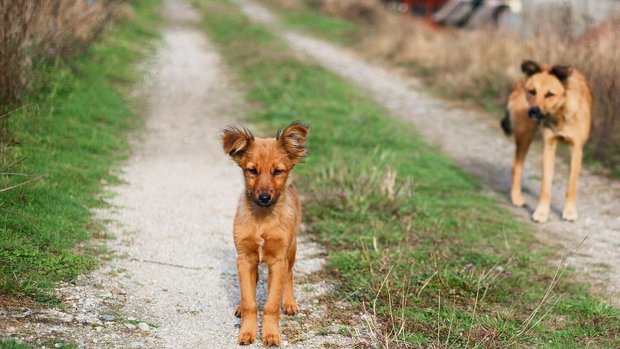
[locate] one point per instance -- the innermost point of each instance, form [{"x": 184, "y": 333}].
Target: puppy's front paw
[
  {"x": 569, "y": 213},
  {"x": 290, "y": 308},
  {"x": 271, "y": 339},
  {"x": 246, "y": 337},
  {"x": 540, "y": 215}
]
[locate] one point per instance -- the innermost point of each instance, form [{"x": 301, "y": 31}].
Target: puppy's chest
[{"x": 260, "y": 238}]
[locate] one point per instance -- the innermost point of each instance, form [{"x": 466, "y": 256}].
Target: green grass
[
  {"x": 341, "y": 31},
  {"x": 403, "y": 225},
  {"x": 72, "y": 130},
  {"x": 11, "y": 344}
]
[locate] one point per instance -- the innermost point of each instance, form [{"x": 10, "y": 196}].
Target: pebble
[
  {"x": 143, "y": 326},
  {"x": 107, "y": 317},
  {"x": 130, "y": 326}
]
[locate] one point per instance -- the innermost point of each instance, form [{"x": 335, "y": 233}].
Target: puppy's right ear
[
  {"x": 236, "y": 141},
  {"x": 530, "y": 68}
]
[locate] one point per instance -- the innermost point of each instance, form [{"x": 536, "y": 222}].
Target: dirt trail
[
  {"x": 483, "y": 151},
  {"x": 172, "y": 282}
]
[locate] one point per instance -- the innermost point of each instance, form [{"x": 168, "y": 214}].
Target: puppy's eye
[
  {"x": 253, "y": 171},
  {"x": 549, "y": 94},
  {"x": 532, "y": 92},
  {"x": 277, "y": 172}
]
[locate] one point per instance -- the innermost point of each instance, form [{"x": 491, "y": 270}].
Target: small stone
[
  {"x": 131, "y": 318},
  {"x": 130, "y": 326},
  {"x": 143, "y": 326},
  {"x": 57, "y": 345},
  {"x": 107, "y": 318}
]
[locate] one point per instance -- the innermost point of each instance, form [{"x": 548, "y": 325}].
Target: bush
[{"x": 44, "y": 29}]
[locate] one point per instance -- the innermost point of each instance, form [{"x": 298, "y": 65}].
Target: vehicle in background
[
  {"x": 523, "y": 17},
  {"x": 479, "y": 13}
]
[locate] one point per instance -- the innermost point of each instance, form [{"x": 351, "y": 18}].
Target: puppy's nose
[
  {"x": 535, "y": 113},
  {"x": 264, "y": 198}
]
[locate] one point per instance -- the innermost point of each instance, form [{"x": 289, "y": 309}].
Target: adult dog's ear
[
  {"x": 530, "y": 68},
  {"x": 562, "y": 72},
  {"x": 293, "y": 140},
  {"x": 236, "y": 141}
]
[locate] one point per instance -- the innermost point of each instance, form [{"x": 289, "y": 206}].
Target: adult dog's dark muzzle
[{"x": 535, "y": 114}]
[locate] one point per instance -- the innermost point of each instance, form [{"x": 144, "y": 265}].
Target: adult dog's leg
[
  {"x": 278, "y": 269},
  {"x": 247, "y": 271},
  {"x": 570, "y": 203},
  {"x": 548, "y": 162},
  {"x": 288, "y": 298},
  {"x": 524, "y": 134}
]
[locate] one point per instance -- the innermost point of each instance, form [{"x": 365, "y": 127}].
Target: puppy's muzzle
[{"x": 264, "y": 199}]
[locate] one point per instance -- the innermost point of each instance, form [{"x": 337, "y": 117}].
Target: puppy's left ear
[
  {"x": 562, "y": 72},
  {"x": 293, "y": 140},
  {"x": 236, "y": 141}
]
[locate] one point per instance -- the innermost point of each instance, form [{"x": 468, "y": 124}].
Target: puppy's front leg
[
  {"x": 271, "y": 316},
  {"x": 246, "y": 269},
  {"x": 548, "y": 162}
]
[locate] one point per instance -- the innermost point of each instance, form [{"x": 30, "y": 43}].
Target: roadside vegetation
[
  {"x": 478, "y": 66},
  {"x": 66, "y": 120},
  {"x": 410, "y": 236}
]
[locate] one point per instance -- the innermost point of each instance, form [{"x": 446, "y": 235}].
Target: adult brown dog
[
  {"x": 558, "y": 98},
  {"x": 266, "y": 224}
]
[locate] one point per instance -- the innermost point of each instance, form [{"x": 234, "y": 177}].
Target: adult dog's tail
[{"x": 506, "y": 126}]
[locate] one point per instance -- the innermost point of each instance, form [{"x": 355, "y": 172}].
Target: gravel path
[
  {"x": 482, "y": 150},
  {"x": 172, "y": 280}
]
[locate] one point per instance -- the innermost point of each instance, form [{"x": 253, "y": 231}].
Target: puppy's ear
[
  {"x": 530, "y": 68},
  {"x": 293, "y": 140},
  {"x": 236, "y": 141},
  {"x": 562, "y": 72}
]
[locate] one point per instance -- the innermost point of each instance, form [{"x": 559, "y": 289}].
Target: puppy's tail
[{"x": 506, "y": 126}]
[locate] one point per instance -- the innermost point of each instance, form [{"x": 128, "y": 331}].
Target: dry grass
[
  {"x": 481, "y": 65},
  {"x": 45, "y": 29}
]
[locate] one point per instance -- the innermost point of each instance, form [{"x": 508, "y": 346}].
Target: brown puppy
[
  {"x": 559, "y": 98},
  {"x": 266, "y": 224}
]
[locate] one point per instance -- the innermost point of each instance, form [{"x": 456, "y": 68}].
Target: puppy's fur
[
  {"x": 559, "y": 98},
  {"x": 266, "y": 224}
]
